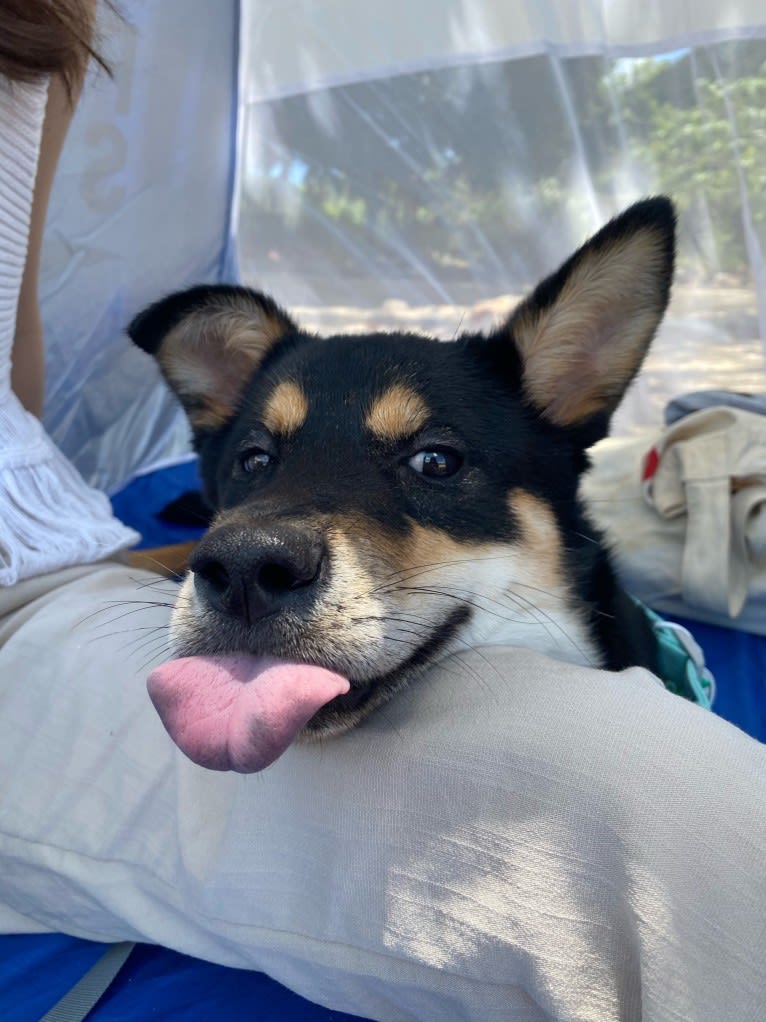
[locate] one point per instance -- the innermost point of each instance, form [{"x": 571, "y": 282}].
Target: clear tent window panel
[{"x": 432, "y": 197}]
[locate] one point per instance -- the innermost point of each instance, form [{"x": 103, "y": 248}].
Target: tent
[
  {"x": 374, "y": 164},
  {"x": 396, "y": 162}
]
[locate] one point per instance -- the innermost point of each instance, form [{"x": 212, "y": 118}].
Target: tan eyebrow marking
[
  {"x": 286, "y": 409},
  {"x": 397, "y": 413}
]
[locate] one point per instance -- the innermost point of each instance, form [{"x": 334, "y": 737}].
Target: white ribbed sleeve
[{"x": 49, "y": 517}]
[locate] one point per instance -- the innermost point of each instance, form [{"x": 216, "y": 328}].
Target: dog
[{"x": 386, "y": 499}]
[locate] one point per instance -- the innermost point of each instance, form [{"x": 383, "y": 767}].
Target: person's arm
[{"x": 28, "y": 368}]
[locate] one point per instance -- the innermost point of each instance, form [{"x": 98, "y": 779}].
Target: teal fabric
[{"x": 681, "y": 662}]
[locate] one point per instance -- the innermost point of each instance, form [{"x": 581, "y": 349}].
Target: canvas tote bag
[{"x": 684, "y": 510}]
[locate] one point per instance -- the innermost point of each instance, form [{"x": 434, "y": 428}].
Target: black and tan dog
[{"x": 383, "y": 500}]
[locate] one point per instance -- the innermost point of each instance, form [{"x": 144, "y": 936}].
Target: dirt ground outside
[{"x": 708, "y": 341}]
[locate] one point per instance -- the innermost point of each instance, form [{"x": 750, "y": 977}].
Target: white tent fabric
[
  {"x": 400, "y": 165},
  {"x": 141, "y": 206},
  {"x": 423, "y": 164},
  {"x": 299, "y": 45}
]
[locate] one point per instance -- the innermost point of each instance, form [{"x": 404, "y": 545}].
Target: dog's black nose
[{"x": 251, "y": 572}]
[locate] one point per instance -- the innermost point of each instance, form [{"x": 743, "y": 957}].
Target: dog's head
[{"x": 384, "y": 499}]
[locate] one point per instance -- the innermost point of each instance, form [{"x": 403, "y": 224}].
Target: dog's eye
[
  {"x": 436, "y": 463},
  {"x": 254, "y": 460}
]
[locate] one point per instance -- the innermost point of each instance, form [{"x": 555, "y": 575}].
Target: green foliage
[{"x": 705, "y": 154}]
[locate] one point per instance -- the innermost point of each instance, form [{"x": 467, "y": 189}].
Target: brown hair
[{"x": 40, "y": 37}]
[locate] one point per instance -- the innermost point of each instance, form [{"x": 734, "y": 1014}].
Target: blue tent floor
[{"x": 35, "y": 970}]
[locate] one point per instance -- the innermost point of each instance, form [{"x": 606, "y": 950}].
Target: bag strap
[
  {"x": 715, "y": 474},
  {"x": 718, "y": 565},
  {"x": 78, "y": 1002},
  {"x": 708, "y": 578}
]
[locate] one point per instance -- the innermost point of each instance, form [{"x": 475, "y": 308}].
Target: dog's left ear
[{"x": 584, "y": 331}]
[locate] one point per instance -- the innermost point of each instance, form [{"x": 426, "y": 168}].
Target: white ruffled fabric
[{"x": 49, "y": 517}]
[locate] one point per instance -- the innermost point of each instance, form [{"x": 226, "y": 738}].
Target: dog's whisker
[
  {"x": 157, "y": 644},
  {"x": 126, "y": 631},
  {"x": 556, "y": 629},
  {"x": 455, "y": 654},
  {"x": 90, "y": 620},
  {"x": 161, "y": 585},
  {"x": 120, "y": 613},
  {"x": 509, "y": 587},
  {"x": 524, "y": 605},
  {"x": 132, "y": 647},
  {"x": 587, "y": 539},
  {"x": 395, "y": 586},
  {"x": 497, "y": 606},
  {"x": 414, "y": 571},
  {"x": 468, "y": 598},
  {"x": 172, "y": 585},
  {"x": 459, "y": 325},
  {"x": 397, "y": 618},
  {"x": 166, "y": 571},
  {"x": 153, "y": 658}
]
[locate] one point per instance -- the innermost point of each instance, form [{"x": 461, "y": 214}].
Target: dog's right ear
[{"x": 208, "y": 342}]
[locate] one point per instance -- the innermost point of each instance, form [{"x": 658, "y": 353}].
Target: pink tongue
[{"x": 238, "y": 712}]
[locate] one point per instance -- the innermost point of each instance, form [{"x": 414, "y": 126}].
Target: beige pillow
[{"x": 513, "y": 838}]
